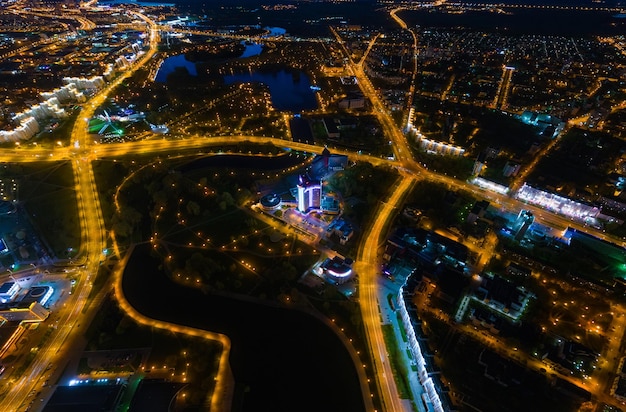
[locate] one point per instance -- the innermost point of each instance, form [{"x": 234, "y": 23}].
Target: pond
[
  {"x": 290, "y": 90},
  {"x": 251, "y": 49},
  {"x": 170, "y": 64},
  {"x": 256, "y": 163}
]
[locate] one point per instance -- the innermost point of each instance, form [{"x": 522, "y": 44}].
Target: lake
[
  {"x": 257, "y": 163},
  {"x": 170, "y": 64},
  {"x": 275, "y": 31},
  {"x": 290, "y": 90},
  {"x": 251, "y": 49}
]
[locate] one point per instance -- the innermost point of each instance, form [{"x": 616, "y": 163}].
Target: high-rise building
[
  {"x": 479, "y": 164},
  {"x": 524, "y": 219},
  {"x": 309, "y": 193}
]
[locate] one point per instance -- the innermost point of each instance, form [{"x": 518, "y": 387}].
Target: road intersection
[{"x": 83, "y": 151}]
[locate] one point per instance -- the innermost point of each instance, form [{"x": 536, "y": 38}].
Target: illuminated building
[
  {"x": 309, "y": 193},
  {"x": 24, "y": 311},
  {"x": 409, "y": 123},
  {"x": 93, "y": 83},
  {"x": 479, "y": 164},
  {"x": 40, "y": 294},
  {"x": 556, "y": 203},
  {"x": 109, "y": 72},
  {"x": 270, "y": 202},
  {"x": 352, "y": 101},
  {"x": 440, "y": 148},
  {"x": 136, "y": 48},
  {"x": 28, "y": 128},
  {"x": 337, "y": 270},
  {"x": 510, "y": 169},
  {"x": 159, "y": 128},
  {"x": 434, "y": 396},
  {"x": 343, "y": 230},
  {"x": 69, "y": 92},
  {"x": 435, "y": 147},
  {"x": 8, "y": 290},
  {"x": 29, "y": 120},
  {"x": 489, "y": 185},
  {"x": 13, "y": 315},
  {"x": 330, "y": 205},
  {"x": 524, "y": 219},
  {"x": 48, "y": 108},
  {"x": 10, "y": 334},
  {"x": 122, "y": 63},
  {"x": 549, "y": 126}
]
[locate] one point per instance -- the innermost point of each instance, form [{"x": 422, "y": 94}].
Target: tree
[
  {"x": 131, "y": 215},
  {"x": 193, "y": 208},
  {"x": 252, "y": 223},
  {"x": 121, "y": 228},
  {"x": 123, "y": 326},
  {"x": 243, "y": 195},
  {"x": 159, "y": 198},
  {"x": 288, "y": 271},
  {"x": 228, "y": 199}
]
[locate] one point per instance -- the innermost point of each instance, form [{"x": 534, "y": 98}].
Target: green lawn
[{"x": 400, "y": 372}]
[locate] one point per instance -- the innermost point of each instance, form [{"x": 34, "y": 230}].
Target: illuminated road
[
  {"x": 93, "y": 242},
  {"x": 224, "y": 380},
  {"x": 523, "y": 174},
  {"x": 503, "y": 88},
  {"x": 403, "y": 155},
  {"x": 368, "y": 49},
  {"x": 83, "y": 151},
  {"x": 603, "y": 378},
  {"x": 367, "y": 260},
  {"x": 400, "y": 145},
  {"x": 411, "y": 92},
  {"x": 85, "y": 24},
  {"x": 367, "y": 264}
]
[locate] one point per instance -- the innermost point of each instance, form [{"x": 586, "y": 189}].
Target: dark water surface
[
  {"x": 257, "y": 163},
  {"x": 290, "y": 90},
  {"x": 282, "y": 360},
  {"x": 170, "y": 64}
]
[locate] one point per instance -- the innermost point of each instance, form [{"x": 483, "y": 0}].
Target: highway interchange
[{"x": 82, "y": 151}]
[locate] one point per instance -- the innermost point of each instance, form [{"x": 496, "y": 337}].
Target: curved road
[{"x": 83, "y": 152}]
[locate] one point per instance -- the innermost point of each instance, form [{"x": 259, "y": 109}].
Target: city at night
[{"x": 312, "y": 205}]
